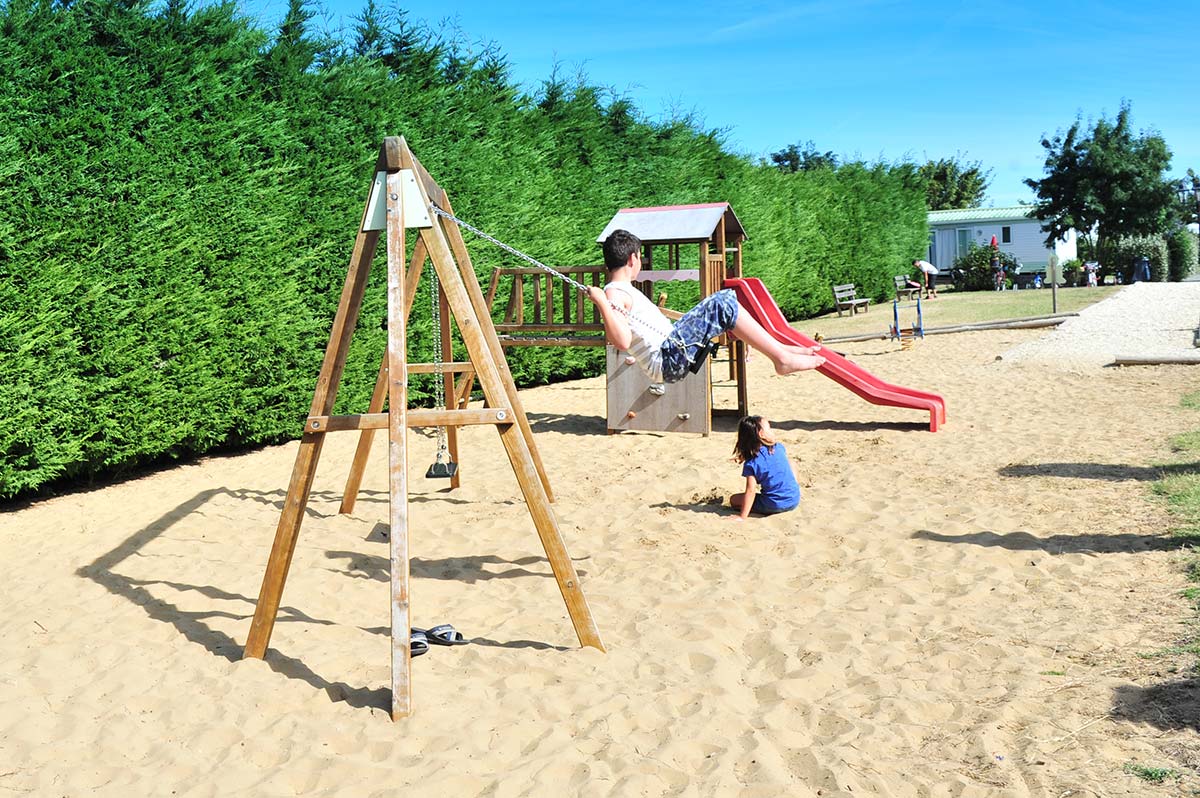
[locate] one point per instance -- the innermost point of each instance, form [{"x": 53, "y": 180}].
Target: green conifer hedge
[{"x": 180, "y": 191}]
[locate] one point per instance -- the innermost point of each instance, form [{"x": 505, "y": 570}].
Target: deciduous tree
[{"x": 1107, "y": 181}]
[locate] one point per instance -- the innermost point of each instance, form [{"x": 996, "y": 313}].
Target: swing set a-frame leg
[
  {"x": 305, "y": 468},
  {"x": 397, "y": 167},
  {"x": 499, "y": 390}
]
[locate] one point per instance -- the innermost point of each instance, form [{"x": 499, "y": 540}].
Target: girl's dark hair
[{"x": 748, "y": 441}]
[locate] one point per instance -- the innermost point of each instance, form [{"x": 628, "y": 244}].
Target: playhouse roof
[{"x": 675, "y": 224}]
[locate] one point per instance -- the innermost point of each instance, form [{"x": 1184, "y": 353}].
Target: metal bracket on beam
[{"x": 412, "y": 205}]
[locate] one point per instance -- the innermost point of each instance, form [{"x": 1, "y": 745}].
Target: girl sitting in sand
[{"x": 771, "y": 486}]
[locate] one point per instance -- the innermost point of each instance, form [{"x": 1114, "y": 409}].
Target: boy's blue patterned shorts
[{"x": 716, "y": 314}]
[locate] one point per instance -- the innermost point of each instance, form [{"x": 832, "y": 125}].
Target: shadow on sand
[
  {"x": 1059, "y": 544},
  {"x": 1106, "y": 472},
  {"x": 192, "y": 624}
]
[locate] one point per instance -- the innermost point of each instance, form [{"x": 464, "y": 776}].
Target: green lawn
[{"x": 952, "y": 308}]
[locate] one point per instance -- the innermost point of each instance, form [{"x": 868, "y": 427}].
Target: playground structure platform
[{"x": 757, "y": 301}]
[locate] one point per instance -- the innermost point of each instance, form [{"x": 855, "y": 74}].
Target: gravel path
[{"x": 1157, "y": 319}]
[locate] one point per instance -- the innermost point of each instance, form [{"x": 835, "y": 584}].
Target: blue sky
[{"x": 866, "y": 79}]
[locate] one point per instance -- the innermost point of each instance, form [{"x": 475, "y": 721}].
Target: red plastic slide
[{"x": 755, "y": 298}]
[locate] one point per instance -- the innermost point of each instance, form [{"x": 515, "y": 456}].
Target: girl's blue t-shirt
[{"x": 778, "y": 489}]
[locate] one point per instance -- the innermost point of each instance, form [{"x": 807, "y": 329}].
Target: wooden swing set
[{"x": 404, "y": 196}]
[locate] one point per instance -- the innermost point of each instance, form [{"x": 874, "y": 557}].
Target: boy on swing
[{"x": 667, "y": 352}]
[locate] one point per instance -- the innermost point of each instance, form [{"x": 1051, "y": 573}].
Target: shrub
[
  {"x": 1071, "y": 271},
  {"x": 973, "y": 270},
  {"x": 1182, "y": 249},
  {"x": 1121, "y": 254}
]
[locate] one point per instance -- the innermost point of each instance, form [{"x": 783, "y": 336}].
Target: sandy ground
[{"x": 963, "y": 613}]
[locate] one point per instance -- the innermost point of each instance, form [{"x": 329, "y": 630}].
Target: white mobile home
[{"x": 951, "y": 233}]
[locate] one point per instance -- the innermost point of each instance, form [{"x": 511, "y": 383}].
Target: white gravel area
[{"x": 1158, "y": 319}]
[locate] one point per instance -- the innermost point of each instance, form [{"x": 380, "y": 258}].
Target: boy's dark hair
[
  {"x": 916, "y": 261},
  {"x": 748, "y": 441},
  {"x": 619, "y": 245}
]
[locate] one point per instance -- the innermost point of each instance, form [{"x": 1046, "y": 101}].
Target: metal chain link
[
  {"x": 553, "y": 272},
  {"x": 439, "y": 389}
]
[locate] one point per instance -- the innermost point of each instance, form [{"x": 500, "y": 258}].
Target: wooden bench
[
  {"x": 903, "y": 289},
  {"x": 845, "y": 297}
]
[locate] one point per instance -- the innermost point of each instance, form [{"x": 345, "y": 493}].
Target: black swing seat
[
  {"x": 704, "y": 354},
  {"x": 441, "y": 471}
]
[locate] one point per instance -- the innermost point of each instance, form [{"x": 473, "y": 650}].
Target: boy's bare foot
[
  {"x": 792, "y": 363},
  {"x": 802, "y": 350}
]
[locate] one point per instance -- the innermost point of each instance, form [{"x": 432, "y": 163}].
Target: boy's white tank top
[{"x": 649, "y": 328}]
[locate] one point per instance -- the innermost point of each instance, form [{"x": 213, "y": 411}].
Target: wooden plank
[
  {"x": 549, "y": 327},
  {"x": 519, "y": 294},
  {"x": 598, "y": 280},
  {"x": 452, "y": 367},
  {"x": 579, "y": 312},
  {"x": 309, "y": 454},
  {"x": 719, "y": 242},
  {"x": 401, "y": 622},
  {"x": 1180, "y": 359},
  {"x": 530, "y": 270},
  {"x": 537, "y": 299},
  {"x": 519, "y": 340},
  {"x": 741, "y": 376},
  {"x": 358, "y": 466},
  {"x": 683, "y": 408},
  {"x": 492, "y": 285},
  {"x": 362, "y": 452},
  {"x": 510, "y": 308},
  {"x": 549, "y": 298},
  {"x": 435, "y": 417},
  {"x": 462, "y": 394},
  {"x": 491, "y": 379},
  {"x": 447, "y": 353}
]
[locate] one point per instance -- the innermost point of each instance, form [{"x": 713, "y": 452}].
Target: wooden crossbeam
[
  {"x": 416, "y": 418},
  {"x": 517, "y": 340},
  {"x": 433, "y": 368}
]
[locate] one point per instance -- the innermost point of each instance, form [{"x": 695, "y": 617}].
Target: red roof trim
[{"x": 675, "y": 207}]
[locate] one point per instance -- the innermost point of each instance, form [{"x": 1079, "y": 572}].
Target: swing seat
[
  {"x": 703, "y": 355},
  {"x": 441, "y": 471}
]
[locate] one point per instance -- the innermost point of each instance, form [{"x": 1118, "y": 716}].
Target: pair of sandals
[{"x": 441, "y": 635}]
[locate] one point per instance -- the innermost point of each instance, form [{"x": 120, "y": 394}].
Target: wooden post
[
  {"x": 398, "y": 453},
  {"x": 491, "y": 379},
  {"x": 448, "y": 392},
  {"x": 309, "y": 454}
]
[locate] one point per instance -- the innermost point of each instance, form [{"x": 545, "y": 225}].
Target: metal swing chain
[
  {"x": 553, "y": 272},
  {"x": 439, "y": 393}
]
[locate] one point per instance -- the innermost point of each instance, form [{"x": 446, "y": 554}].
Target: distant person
[
  {"x": 666, "y": 352},
  {"x": 771, "y": 486},
  {"x": 928, "y": 277},
  {"x": 997, "y": 272}
]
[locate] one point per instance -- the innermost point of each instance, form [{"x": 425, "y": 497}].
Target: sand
[{"x": 960, "y": 613}]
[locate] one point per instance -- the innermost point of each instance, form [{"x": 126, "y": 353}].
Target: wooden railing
[{"x": 543, "y": 321}]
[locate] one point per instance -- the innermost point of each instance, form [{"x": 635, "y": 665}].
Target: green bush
[
  {"x": 1121, "y": 254},
  {"x": 973, "y": 269},
  {"x": 1072, "y": 271},
  {"x": 1182, "y": 250}
]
